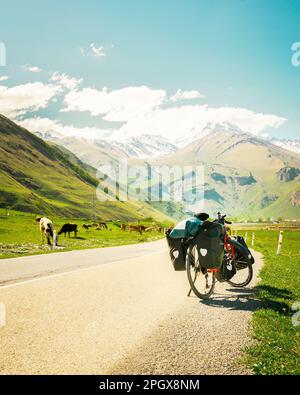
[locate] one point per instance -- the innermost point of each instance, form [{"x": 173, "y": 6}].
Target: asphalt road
[
  {"x": 117, "y": 310},
  {"x": 31, "y": 267}
]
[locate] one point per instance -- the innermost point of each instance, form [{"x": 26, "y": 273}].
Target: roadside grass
[
  {"x": 20, "y": 235},
  {"x": 276, "y": 346}
]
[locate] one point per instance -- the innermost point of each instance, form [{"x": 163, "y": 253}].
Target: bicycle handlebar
[{"x": 222, "y": 220}]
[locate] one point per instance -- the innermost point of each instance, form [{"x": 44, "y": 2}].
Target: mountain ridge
[{"x": 41, "y": 178}]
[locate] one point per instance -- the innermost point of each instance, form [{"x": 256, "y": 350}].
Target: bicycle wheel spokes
[
  {"x": 202, "y": 283},
  {"x": 243, "y": 268}
]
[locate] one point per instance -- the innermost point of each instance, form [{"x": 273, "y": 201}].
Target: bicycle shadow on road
[{"x": 247, "y": 300}]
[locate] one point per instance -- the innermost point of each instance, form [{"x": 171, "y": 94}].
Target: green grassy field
[
  {"x": 276, "y": 347},
  {"x": 20, "y": 235}
]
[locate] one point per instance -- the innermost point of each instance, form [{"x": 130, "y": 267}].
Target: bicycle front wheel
[
  {"x": 239, "y": 258},
  {"x": 201, "y": 281}
]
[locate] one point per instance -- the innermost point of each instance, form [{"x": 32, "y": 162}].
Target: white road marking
[{"x": 16, "y": 284}]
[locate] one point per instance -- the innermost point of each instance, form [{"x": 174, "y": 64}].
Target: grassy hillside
[
  {"x": 41, "y": 178},
  {"x": 242, "y": 175}
]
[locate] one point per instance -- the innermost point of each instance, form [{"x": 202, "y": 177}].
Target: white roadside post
[
  {"x": 280, "y": 242},
  {"x": 253, "y": 239},
  {"x": 54, "y": 239}
]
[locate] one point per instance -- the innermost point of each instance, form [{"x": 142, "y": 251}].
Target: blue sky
[{"x": 236, "y": 53}]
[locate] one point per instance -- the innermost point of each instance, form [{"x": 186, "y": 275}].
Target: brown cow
[{"x": 137, "y": 228}]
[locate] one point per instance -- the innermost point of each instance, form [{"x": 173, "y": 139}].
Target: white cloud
[
  {"x": 32, "y": 69},
  {"x": 116, "y": 106},
  {"x": 3, "y": 78},
  {"x": 141, "y": 111},
  {"x": 21, "y": 99},
  {"x": 93, "y": 50},
  {"x": 98, "y": 52},
  {"x": 189, "y": 121},
  {"x": 65, "y": 80},
  {"x": 186, "y": 95},
  {"x": 57, "y": 129},
  {"x": 181, "y": 124}
]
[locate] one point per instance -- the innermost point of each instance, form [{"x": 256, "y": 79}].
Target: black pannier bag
[
  {"x": 228, "y": 270},
  {"x": 177, "y": 253},
  {"x": 210, "y": 245},
  {"x": 241, "y": 240}
]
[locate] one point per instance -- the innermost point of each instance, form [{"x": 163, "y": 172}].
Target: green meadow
[
  {"x": 276, "y": 340},
  {"x": 20, "y": 235}
]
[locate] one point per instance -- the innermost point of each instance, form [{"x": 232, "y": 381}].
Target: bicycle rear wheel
[
  {"x": 201, "y": 281},
  {"x": 240, "y": 259}
]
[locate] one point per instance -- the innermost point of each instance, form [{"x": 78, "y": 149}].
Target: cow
[
  {"x": 46, "y": 229},
  {"x": 102, "y": 225},
  {"x": 68, "y": 228},
  {"x": 85, "y": 226},
  {"x": 137, "y": 228},
  {"x": 122, "y": 226}
]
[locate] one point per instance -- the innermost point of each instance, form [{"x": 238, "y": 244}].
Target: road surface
[
  {"x": 30, "y": 267},
  {"x": 117, "y": 310}
]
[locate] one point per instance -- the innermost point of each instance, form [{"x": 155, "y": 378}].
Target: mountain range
[
  {"x": 245, "y": 175},
  {"x": 43, "y": 178}
]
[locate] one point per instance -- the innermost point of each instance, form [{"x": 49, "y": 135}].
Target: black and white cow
[{"x": 46, "y": 229}]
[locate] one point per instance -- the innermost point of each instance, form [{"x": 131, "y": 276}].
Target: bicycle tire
[
  {"x": 190, "y": 266},
  {"x": 241, "y": 259}
]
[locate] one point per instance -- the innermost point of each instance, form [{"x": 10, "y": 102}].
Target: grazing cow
[
  {"x": 68, "y": 228},
  {"x": 122, "y": 226},
  {"x": 150, "y": 229},
  {"x": 103, "y": 225},
  {"x": 137, "y": 228},
  {"x": 46, "y": 229},
  {"x": 85, "y": 226}
]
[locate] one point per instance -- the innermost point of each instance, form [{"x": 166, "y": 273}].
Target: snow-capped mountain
[
  {"x": 49, "y": 135},
  {"x": 209, "y": 128},
  {"x": 145, "y": 146},
  {"x": 290, "y": 145}
]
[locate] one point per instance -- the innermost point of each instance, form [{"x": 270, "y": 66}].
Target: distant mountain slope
[
  {"x": 96, "y": 152},
  {"x": 244, "y": 175},
  {"x": 290, "y": 145},
  {"x": 42, "y": 178}
]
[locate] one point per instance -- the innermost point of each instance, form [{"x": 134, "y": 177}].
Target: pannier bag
[
  {"x": 228, "y": 270},
  {"x": 241, "y": 240},
  {"x": 187, "y": 228},
  {"x": 210, "y": 244},
  {"x": 177, "y": 253}
]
